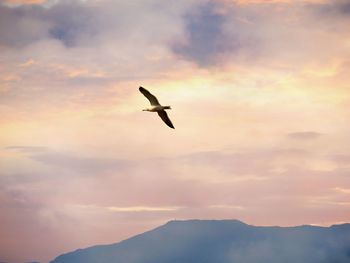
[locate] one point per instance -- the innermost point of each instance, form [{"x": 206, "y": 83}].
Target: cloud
[
  {"x": 341, "y": 158},
  {"x": 205, "y": 39},
  {"x": 150, "y": 191},
  {"x": 70, "y": 22},
  {"x": 234, "y": 32},
  {"x": 84, "y": 50},
  {"x": 26, "y": 26},
  {"x": 27, "y": 149},
  {"x": 73, "y": 24},
  {"x": 143, "y": 209},
  {"x": 25, "y": 2},
  {"x": 246, "y": 165},
  {"x": 24, "y": 212},
  {"x": 89, "y": 23},
  {"x": 342, "y": 190},
  {"x": 131, "y": 209},
  {"x": 334, "y": 8},
  {"x": 69, "y": 161},
  {"x": 79, "y": 164},
  {"x": 308, "y": 135},
  {"x": 254, "y": 2}
]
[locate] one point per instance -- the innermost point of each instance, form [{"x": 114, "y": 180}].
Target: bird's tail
[{"x": 167, "y": 107}]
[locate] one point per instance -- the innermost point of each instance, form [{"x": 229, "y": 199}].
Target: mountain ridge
[{"x": 222, "y": 241}]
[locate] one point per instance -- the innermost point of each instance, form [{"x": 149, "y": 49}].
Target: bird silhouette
[{"x": 156, "y": 107}]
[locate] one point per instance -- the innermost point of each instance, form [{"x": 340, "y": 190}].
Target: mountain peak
[{"x": 207, "y": 221}]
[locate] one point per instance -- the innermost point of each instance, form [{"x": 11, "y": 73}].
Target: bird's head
[{"x": 145, "y": 110}]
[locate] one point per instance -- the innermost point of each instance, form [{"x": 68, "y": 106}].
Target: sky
[{"x": 260, "y": 96}]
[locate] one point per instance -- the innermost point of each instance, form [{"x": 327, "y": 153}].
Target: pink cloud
[{"x": 25, "y": 2}]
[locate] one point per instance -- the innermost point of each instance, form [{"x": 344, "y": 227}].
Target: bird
[{"x": 156, "y": 107}]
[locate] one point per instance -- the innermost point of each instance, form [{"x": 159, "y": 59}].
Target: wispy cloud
[
  {"x": 25, "y": 2},
  {"x": 143, "y": 209},
  {"x": 342, "y": 190},
  {"x": 308, "y": 135},
  {"x": 27, "y": 149}
]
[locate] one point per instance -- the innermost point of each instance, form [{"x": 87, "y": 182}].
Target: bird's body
[{"x": 156, "y": 107}]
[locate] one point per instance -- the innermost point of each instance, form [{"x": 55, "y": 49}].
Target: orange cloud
[{"x": 25, "y": 2}]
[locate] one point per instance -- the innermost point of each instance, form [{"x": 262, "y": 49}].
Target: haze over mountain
[{"x": 224, "y": 241}]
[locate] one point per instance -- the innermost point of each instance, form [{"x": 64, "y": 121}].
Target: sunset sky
[{"x": 260, "y": 96}]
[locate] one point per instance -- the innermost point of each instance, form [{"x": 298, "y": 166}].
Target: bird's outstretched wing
[
  {"x": 152, "y": 99},
  {"x": 164, "y": 116}
]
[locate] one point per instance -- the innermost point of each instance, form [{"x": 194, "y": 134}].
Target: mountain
[{"x": 223, "y": 241}]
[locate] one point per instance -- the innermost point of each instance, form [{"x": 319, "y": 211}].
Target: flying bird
[{"x": 156, "y": 107}]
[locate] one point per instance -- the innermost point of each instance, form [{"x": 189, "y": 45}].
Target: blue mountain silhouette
[{"x": 223, "y": 241}]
